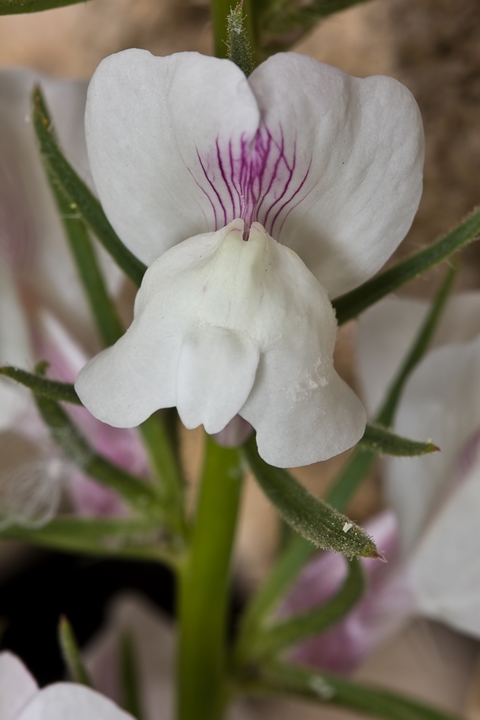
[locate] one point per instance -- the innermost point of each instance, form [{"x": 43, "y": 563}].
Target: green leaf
[
  {"x": 353, "y": 303},
  {"x": 266, "y": 642},
  {"x": 284, "y": 16},
  {"x": 71, "y": 653},
  {"x": 417, "y": 351},
  {"x": 13, "y": 7},
  {"x": 135, "y": 491},
  {"x": 80, "y": 199},
  {"x": 129, "y": 677},
  {"x": 385, "y": 442},
  {"x": 306, "y": 684},
  {"x": 52, "y": 389},
  {"x": 314, "y": 519},
  {"x": 139, "y": 539},
  {"x": 81, "y": 246},
  {"x": 239, "y": 48}
]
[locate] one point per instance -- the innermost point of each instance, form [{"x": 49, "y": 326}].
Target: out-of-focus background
[{"x": 433, "y": 46}]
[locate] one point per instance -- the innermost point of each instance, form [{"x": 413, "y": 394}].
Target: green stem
[
  {"x": 220, "y": 12},
  {"x": 203, "y": 589}
]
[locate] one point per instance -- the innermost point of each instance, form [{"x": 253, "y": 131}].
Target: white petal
[
  {"x": 216, "y": 371},
  {"x": 65, "y": 701},
  {"x": 330, "y": 165},
  {"x": 386, "y": 331},
  {"x": 440, "y": 402},
  {"x": 241, "y": 300},
  {"x": 445, "y": 572},
  {"x": 151, "y": 123},
  {"x": 14, "y": 350},
  {"x": 355, "y": 147},
  {"x": 17, "y": 686}
]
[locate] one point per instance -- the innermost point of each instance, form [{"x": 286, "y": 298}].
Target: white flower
[
  {"x": 21, "y": 699},
  {"x": 319, "y": 172},
  {"x": 436, "y": 498}
]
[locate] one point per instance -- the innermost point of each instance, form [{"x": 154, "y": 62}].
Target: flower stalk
[{"x": 203, "y": 590}]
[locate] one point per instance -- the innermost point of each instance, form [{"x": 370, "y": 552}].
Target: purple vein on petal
[{"x": 252, "y": 179}]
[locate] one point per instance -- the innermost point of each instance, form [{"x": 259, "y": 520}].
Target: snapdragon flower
[
  {"x": 21, "y": 699},
  {"x": 253, "y": 200},
  {"x": 437, "y": 500}
]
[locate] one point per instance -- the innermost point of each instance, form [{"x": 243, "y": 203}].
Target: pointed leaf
[
  {"x": 384, "y": 442},
  {"x": 79, "y": 196},
  {"x": 71, "y": 653},
  {"x": 129, "y": 679},
  {"x": 272, "y": 640},
  {"x": 314, "y": 519}
]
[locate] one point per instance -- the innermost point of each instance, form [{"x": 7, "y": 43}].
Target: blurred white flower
[
  {"x": 21, "y": 699},
  {"x": 436, "y": 498},
  {"x": 253, "y": 201},
  {"x": 40, "y": 296}
]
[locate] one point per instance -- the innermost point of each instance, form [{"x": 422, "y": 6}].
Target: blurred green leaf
[
  {"x": 127, "y": 538},
  {"x": 135, "y": 491},
  {"x": 353, "y": 303},
  {"x": 314, "y": 519},
  {"x": 306, "y": 684},
  {"x": 14, "y": 7},
  {"x": 71, "y": 653},
  {"x": 129, "y": 677},
  {"x": 268, "y": 641},
  {"x": 382, "y": 441},
  {"x": 103, "y": 310},
  {"x": 80, "y": 198}
]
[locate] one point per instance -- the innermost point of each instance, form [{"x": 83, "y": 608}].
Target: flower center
[{"x": 257, "y": 180}]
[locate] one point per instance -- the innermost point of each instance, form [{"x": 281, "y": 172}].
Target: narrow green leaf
[
  {"x": 353, "y": 303},
  {"x": 137, "y": 539},
  {"x": 385, "y": 442},
  {"x": 285, "y": 16},
  {"x": 306, "y": 684},
  {"x": 135, "y": 491},
  {"x": 238, "y": 43},
  {"x": 417, "y": 351},
  {"x": 80, "y": 199},
  {"x": 269, "y": 641},
  {"x": 221, "y": 10},
  {"x": 13, "y": 7},
  {"x": 314, "y": 519},
  {"x": 129, "y": 677},
  {"x": 81, "y": 246},
  {"x": 71, "y": 653},
  {"x": 52, "y": 389}
]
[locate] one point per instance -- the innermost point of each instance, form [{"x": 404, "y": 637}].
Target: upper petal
[
  {"x": 153, "y": 126},
  {"x": 17, "y": 686},
  {"x": 355, "y": 150},
  {"x": 440, "y": 401},
  {"x": 75, "y": 702}
]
